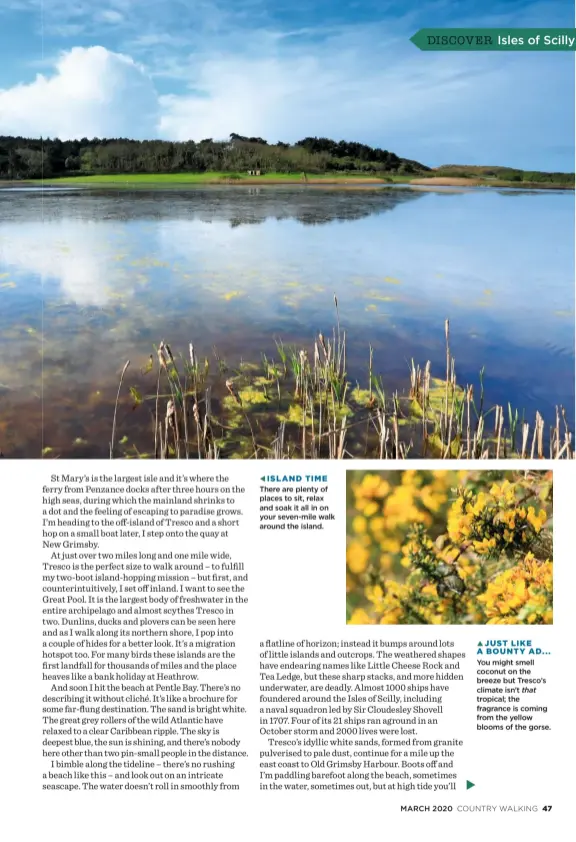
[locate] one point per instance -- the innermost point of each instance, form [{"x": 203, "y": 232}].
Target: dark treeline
[{"x": 27, "y": 158}]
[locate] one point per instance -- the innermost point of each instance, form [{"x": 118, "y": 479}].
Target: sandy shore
[{"x": 447, "y": 181}]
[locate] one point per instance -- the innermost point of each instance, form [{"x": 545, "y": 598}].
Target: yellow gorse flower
[
  {"x": 524, "y": 592},
  {"x": 357, "y": 557},
  {"x": 537, "y": 521},
  {"x": 359, "y": 524},
  {"x": 436, "y": 547}
]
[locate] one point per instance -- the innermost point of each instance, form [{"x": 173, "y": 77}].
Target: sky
[{"x": 286, "y": 69}]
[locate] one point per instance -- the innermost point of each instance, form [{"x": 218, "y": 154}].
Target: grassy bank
[
  {"x": 179, "y": 180},
  {"x": 302, "y": 404},
  {"x": 184, "y": 179}
]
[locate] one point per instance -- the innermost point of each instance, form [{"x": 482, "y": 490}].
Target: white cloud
[
  {"x": 336, "y": 94},
  {"x": 111, "y": 16},
  {"x": 93, "y": 92},
  {"x": 76, "y": 254}
]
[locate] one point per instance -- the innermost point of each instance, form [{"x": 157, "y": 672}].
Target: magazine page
[{"x": 286, "y": 419}]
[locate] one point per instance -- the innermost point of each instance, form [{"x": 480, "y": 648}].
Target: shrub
[{"x": 447, "y": 547}]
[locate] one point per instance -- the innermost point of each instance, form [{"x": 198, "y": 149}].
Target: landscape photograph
[{"x": 263, "y": 230}]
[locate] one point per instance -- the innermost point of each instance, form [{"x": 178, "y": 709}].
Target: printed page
[
  {"x": 164, "y": 642},
  {"x": 286, "y": 419}
]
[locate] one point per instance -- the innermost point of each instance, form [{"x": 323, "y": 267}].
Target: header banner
[{"x": 495, "y": 39}]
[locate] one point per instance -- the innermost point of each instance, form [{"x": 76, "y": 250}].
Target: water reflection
[{"x": 88, "y": 280}]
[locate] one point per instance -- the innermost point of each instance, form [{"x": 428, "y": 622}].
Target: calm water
[{"x": 101, "y": 277}]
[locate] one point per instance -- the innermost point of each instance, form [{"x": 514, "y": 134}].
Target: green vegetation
[
  {"x": 509, "y": 175},
  {"x": 303, "y": 405},
  {"x": 26, "y": 158},
  {"x": 182, "y": 179},
  {"x": 122, "y": 162}
]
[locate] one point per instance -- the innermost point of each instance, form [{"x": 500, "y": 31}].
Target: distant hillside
[
  {"x": 502, "y": 174},
  {"x": 29, "y": 158}
]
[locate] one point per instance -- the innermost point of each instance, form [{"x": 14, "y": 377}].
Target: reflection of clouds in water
[
  {"x": 468, "y": 257},
  {"x": 277, "y": 249},
  {"x": 268, "y": 273},
  {"x": 76, "y": 254},
  {"x": 491, "y": 266}
]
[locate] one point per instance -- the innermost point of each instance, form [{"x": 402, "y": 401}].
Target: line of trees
[{"x": 28, "y": 158}]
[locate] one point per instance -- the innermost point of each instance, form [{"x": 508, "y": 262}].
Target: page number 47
[{"x": 547, "y": 809}]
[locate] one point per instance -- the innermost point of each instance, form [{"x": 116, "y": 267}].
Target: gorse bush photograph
[{"x": 449, "y": 547}]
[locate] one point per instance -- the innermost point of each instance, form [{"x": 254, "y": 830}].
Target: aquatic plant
[
  {"x": 448, "y": 547},
  {"x": 304, "y": 405}
]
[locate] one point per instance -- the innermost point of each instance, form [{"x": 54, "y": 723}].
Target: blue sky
[{"x": 284, "y": 69}]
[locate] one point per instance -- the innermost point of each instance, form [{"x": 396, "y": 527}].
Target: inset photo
[{"x": 449, "y": 547}]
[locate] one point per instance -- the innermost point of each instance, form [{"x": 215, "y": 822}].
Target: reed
[
  {"x": 303, "y": 405},
  {"x": 124, "y": 370}
]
